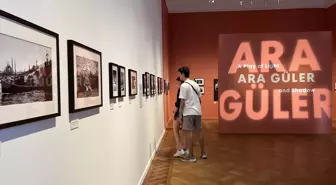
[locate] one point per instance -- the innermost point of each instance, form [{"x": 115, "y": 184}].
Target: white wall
[{"x": 111, "y": 147}]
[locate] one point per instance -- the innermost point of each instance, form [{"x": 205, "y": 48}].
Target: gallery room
[{"x": 192, "y": 92}]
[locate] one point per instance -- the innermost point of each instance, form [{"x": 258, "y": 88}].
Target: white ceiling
[{"x": 182, "y": 6}]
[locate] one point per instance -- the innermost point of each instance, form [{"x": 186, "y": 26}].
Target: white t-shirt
[{"x": 192, "y": 104}]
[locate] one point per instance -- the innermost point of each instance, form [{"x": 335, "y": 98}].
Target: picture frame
[
  {"x": 152, "y": 85},
  {"x": 215, "y": 89},
  {"x": 161, "y": 85},
  {"x": 113, "y": 80},
  {"x": 199, "y": 81},
  {"x": 158, "y": 85},
  {"x": 85, "y": 77},
  {"x": 144, "y": 84},
  {"x": 122, "y": 81},
  {"x": 132, "y": 82},
  {"x": 202, "y": 89},
  {"x": 30, "y": 80},
  {"x": 148, "y": 84}
]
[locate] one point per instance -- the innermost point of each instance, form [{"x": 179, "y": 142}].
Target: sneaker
[
  {"x": 179, "y": 153},
  {"x": 204, "y": 156},
  {"x": 189, "y": 159}
]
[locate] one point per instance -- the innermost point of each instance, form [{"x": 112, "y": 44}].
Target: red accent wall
[
  {"x": 331, "y": 24},
  {"x": 193, "y": 40},
  {"x": 165, "y": 54}
]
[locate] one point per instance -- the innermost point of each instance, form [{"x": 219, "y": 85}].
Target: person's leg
[
  {"x": 188, "y": 128},
  {"x": 200, "y": 134},
  {"x": 176, "y": 127}
]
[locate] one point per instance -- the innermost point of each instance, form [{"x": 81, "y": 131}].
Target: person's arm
[{"x": 178, "y": 100}]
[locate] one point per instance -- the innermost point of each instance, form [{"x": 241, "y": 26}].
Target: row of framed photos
[{"x": 30, "y": 74}]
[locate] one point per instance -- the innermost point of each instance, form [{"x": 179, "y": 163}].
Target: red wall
[
  {"x": 165, "y": 54},
  {"x": 331, "y": 24},
  {"x": 193, "y": 40}
]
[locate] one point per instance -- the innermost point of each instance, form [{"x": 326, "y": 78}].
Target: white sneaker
[{"x": 179, "y": 153}]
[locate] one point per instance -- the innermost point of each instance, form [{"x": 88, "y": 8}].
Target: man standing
[{"x": 190, "y": 109}]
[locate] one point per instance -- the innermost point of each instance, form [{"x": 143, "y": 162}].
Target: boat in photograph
[{"x": 37, "y": 78}]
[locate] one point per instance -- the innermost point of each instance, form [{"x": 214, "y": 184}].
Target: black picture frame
[
  {"x": 152, "y": 85},
  {"x": 215, "y": 89},
  {"x": 199, "y": 81},
  {"x": 122, "y": 79},
  {"x": 113, "y": 93},
  {"x": 71, "y": 71},
  {"x": 144, "y": 84},
  {"x": 132, "y": 73},
  {"x": 26, "y": 24},
  {"x": 148, "y": 84}
]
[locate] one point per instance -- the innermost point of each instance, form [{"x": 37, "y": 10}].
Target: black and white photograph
[
  {"x": 122, "y": 81},
  {"x": 158, "y": 85},
  {"x": 144, "y": 83},
  {"x": 202, "y": 90},
  {"x": 85, "y": 83},
  {"x": 199, "y": 81},
  {"x": 215, "y": 89},
  {"x": 152, "y": 85},
  {"x": 113, "y": 80},
  {"x": 29, "y": 72},
  {"x": 148, "y": 84},
  {"x": 132, "y": 82}
]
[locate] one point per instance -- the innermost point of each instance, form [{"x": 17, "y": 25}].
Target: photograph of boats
[
  {"x": 85, "y": 82},
  {"x": 26, "y": 72},
  {"x": 87, "y": 77},
  {"x": 29, "y": 72}
]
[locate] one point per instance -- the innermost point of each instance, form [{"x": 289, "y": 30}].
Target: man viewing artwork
[{"x": 190, "y": 109}]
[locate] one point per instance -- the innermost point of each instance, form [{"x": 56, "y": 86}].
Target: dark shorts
[{"x": 192, "y": 122}]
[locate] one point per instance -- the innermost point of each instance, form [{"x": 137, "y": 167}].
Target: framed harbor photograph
[
  {"x": 122, "y": 81},
  {"x": 132, "y": 82},
  {"x": 202, "y": 90},
  {"x": 85, "y": 77},
  {"x": 29, "y": 72},
  {"x": 113, "y": 80},
  {"x": 144, "y": 83},
  {"x": 148, "y": 84}
]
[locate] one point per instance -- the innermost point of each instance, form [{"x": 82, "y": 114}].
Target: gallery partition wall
[{"x": 72, "y": 106}]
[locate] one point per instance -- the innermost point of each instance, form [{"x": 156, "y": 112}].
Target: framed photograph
[
  {"x": 132, "y": 82},
  {"x": 215, "y": 89},
  {"x": 148, "y": 84},
  {"x": 113, "y": 80},
  {"x": 144, "y": 83},
  {"x": 152, "y": 87},
  {"x": 122, "y": 81},
  {"x": 202, "y": 90},
  {"x": 199, "y": 81},
  {"x": 85, "y": 77},
  {"x": 29, "y": 72},
  {"x": 154, "y": 84},
  {"x": 158, "y": 85}
]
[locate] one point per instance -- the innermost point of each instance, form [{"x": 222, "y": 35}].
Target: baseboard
[{"x": 151, "y": 159}]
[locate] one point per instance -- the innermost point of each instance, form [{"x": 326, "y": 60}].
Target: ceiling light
[
  {"x": 278, "y": 1},
  {"x": 211, "y": 1},
  {"x": 241, "y": 3},
  {"x": 251, "y": 2},
  {"x": 265, "y": 1}
]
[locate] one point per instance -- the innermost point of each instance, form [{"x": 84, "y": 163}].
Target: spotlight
[
  {"x": 211, "y": 1},
  {"x": 241, "y": 3}
]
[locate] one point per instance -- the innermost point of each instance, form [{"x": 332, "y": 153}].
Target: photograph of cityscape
[{"x": 25, "y": 72}]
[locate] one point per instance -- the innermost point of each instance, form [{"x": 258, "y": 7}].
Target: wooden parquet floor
[{"x": 249, "y": 160}]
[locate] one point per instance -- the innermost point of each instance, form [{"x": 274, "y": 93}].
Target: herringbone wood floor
[{"x": 249, "y": 160}]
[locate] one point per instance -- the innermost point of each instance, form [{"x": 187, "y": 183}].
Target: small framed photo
[
  {"x": 159, "y": 85},
  {"x": 113, "y": 80},
  {"x": 132, "y": 82},
  {"x": 148, "y": 84},
  {"x": 215, "y": 89},
  {"x": 199, "y": 81},
  {"x": 152, "y": 84},
  {"x": 85, "y": 77},
  {"x": 122, "y": 81},
  {"x": 162, "y": 86},
  {"x": 144, "y": 83},
  {"x": 202, "y": 90}
]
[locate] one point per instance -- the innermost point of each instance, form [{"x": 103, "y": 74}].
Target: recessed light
[{"x": 211, "y": 1}]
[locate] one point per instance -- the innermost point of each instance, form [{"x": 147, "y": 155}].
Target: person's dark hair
[
  {"x": 185, "y": 71},
  {"x": 178, "y": 79}
]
